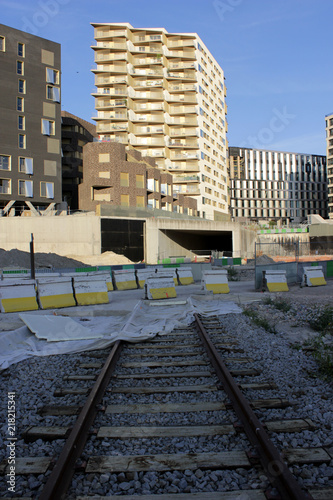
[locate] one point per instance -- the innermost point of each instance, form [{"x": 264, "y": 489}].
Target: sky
[{"x": 274, "y": 54}]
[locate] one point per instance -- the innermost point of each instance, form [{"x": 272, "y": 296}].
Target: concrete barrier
[
  {"x": 18, "y": 295},
  {"x": 215, "y": 281},
  {"x": 313, "y": 276},
  {"x": 90, "y": 289},
  {"x": 160, "y": 287},
  {"x": 161, "y": 273},
  {"x": 275, "y": 281},
  {"x": 185, "y": 275},
  {"x": 54, "y": 292},
  {"x": 125, "y": 279},
  {"x": 143, "y": 274}
]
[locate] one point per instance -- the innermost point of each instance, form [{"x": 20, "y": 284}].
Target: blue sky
[{"x": 275, "y": 55}]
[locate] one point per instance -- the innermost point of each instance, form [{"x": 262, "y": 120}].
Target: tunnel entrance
[{"x": 202, "y": 242}]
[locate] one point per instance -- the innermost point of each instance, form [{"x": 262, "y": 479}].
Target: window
[
  {"x": 124, "y": 200},
  {"x": 21, "y": 141},
  {"x": 20, "y": 49},
  {"x": 20, "y": 104},
  {"x": 139, "y": 181},
  {"x": 5, "y": 186},
  {"x": 48, "y": 127},
  {"x": 5, "y": 162},
  {"x": 26, "y": 188},
  {"x": 140, "y": 201},
  {"x": 47, "y": 189},
  {"x": 2, "y": 44},
  {"x": 52, "y": 76},
  {"x": 21, "y": 86},
  {"x": 21, "y": 123},
  {"x": 124, "y": 179},
  {"x": 26, "y": 165},
  {"x": 20, "y": 68},
  {"x": 53, "y": 93}
]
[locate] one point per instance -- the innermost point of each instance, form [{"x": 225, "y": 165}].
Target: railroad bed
[{"x": 163, "y": 424}]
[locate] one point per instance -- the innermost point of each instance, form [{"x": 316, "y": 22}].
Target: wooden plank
[
  {"x": 292, "y": 425},
  {"x": 91, "y": 365},
  {"x": 320, "y": 494},
  {"x": 165, "y": 407},
  {"x": 306, "y": 455},
  {"x": 27, "y": 465},
  {"x": 80, "y": 377},
  {"x": 63, "y": 392},
  {"x": 173, "y": 354},
  {"x": 251, "y": 372},
  {"x": 59, "y": 410},
  {"x": 164, "y": 462},
  {"x": 45, "y": 433},
  {"x": 163, "y": 375},
  {"x": 159, "y": 389},
  {"x": 184, "y": 431},
  {"x": 270, "y": 403},
  {"x": 152, "y": 364},
  {"x": 258, "y": 386},
  {"x": 217, "y": 495}
]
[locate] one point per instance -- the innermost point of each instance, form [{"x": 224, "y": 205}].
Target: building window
[
  {"x": 2, "y": 44},
  {"x": 5, "y": 186},
  {"x": 21, "y": 123},
  {"x": 48, "y": 127},
  {"x": 124, "y": 200},
  {"x": 20, "y": 49},
  {"x": 140, "y": 201},
  {"x": 26, "y": 188},
  {"x": 20, "y": 67},
  {"x": 20, "y": 104},
  {"x": 47, "y": 189},
  {"x": 26, "y": 165},
  {"x": 139, "y": 181},
  {"x": 21, "y": 141},
  {"x": 21, "y": 86},
  {"x": 124, "y": 179},
  {"x": 53, "y": 93},
  {"x": 52, "y": 76},
  {"x": 5, "y": 162}
]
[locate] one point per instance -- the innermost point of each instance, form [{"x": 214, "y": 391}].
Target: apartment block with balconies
[
  {"x": 30, "y": 126},
  {"x": 164, "y": 95},
  {"x": 329, "y": 153},
  {"x": 275, "y": 185}
]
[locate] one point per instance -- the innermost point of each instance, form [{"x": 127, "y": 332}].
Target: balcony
[
  {"x": 187, "y": 132},
  {"x": 154, "y": 153},
  {"x": 102, "y": 115},
  {"x": 105, "y": 80},
  {"x": 110, "y": 68},
  {"x": 155, "y": 118},
  {"x": 147, "y": 106},
  {"x": 147, "y": 141},
  {"x": 182, "y": 54},
  {"x": 147, "y": 38},
  {"x": 122, "y": 139},
  {"x": 184, "y": 156},
  {"x": 187, "y": 190},
  {"x": 110, "y": 92},
  {"x": 183, "y": 144},
  {"x": 148, "y": 95},
  {"x": 147, "y": 72},
  {"x": 185, "y": 178},
  {"x": 180, "y": 43},
  {"x": 147, "y": 49},
  {"x": 108, "y": 57},
  {"x": 110, "y": 45},
  {"x": 180, "y": 87},
  {"x": 110, "y": 103},
  {"x": 186, "y": 75},
  {"x": 147, "y": 83},
  {"x": 182, "y": 121},
  {"x": 146, "y": 61},
  {"x": 109, "y": 127},
  {"x": 101, "y": 34},
  {"x": 181, "y": 66},
  {"x": 187, "y": 98},
  {"x": 148, "y": 130},
  {"x": 182, "y": 110},
  {"x": 184, "y": 166}
]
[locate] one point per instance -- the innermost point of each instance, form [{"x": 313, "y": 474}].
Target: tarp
[{"x": 142, "y": 323}]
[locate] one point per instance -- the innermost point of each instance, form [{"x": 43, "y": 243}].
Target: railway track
[{"x": 175, "y": 417}]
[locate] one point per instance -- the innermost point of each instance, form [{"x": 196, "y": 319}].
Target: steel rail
[
  {"x": 276, "y": 469},
  {"x": 59, "y": 480}
]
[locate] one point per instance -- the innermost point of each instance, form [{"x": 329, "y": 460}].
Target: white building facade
[
  {"x": 164, "y": 95},
  {"x": 275, "y": 185}
]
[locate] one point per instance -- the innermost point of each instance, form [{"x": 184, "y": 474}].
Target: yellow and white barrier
[
  {"x": 185, "y": 275},
  {"x": 91, "y": 289},
  {"x": 313, "y": 276},
  {"x": 161, "y": 273},
  {"x": 55, "y": 292},
  {"x": 143, "y": 274},
  {"x": 215, "y": 281},
  {"x": 161, "y": 287},
  {"x": 125, "y": 279},
  {"x": 275, "y": 281},
  {"x": 18, "y": 295}
]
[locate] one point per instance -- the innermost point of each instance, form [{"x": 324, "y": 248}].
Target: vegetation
[
  {"x": 278, "y": 303},
  {"x": 233, "y": 274},
  {"x": 322, "y": 345},
  {"x": 258, "y": 320}
]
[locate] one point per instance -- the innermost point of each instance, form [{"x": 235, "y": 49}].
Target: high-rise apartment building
[
  {"x": 275, "y": 185},
  {"x": 329, "y": 153},
  {"x": 30, "y": 125},
  {"x": 164, "y": 95}
]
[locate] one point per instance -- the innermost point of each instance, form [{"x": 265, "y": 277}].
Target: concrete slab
[{"x": 57, "y": 328}]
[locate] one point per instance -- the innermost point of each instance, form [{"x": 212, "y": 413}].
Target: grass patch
[
  {"x": 323, "y": 344},
  {"x": 259, "y": 321},
  {"x": 323, "y": 322},
  {"x": 232, "y": 274},
  {"x": 280, "y": 304}
]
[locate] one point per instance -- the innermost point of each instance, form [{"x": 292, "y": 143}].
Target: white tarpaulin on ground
[{"x": 142, "y": 323}]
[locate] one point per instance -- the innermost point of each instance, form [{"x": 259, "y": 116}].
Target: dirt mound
[
  {"x": 21, "y": 260},
  {"x": 264, "y": 259}
]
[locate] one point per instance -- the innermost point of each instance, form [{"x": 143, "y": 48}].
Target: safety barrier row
[{"x": 276, "y": 281}]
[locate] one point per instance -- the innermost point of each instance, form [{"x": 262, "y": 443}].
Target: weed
[
  {"x": 233, "y": 274},
  {"x": 323, "y": 322},
  {"x": 259, "y": 321},
  {"x": 322, "y": 346},
  {"x": 280, "y": 304}
]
